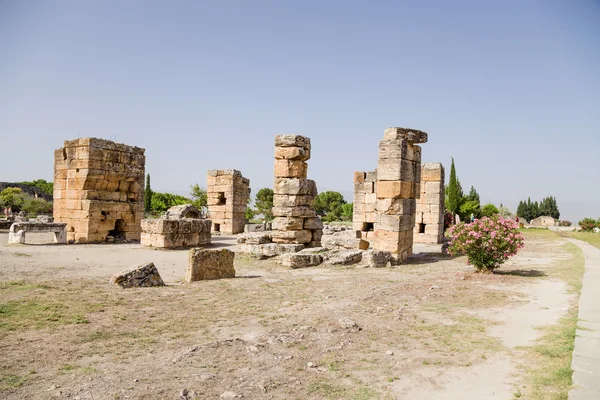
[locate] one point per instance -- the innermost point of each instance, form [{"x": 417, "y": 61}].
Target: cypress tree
[
  {"x": 455, "y": 193},
  {"x": 148, "y": 195}
]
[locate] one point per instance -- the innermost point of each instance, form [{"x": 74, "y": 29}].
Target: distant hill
[{"x": 26, "y": 188}]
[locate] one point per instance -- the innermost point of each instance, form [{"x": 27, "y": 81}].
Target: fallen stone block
[
  {"x": 346, "y": 257},
  {"x": 301, "y": 260},
  {"x": 255, "y": 238},
  {"x": 142, "y": 275},
  {"x": 376, "y": 258},
  {"x": 269, "y": 249},
  {"x": 344, "y": 240},
  {"x": 206, "y": 264}
]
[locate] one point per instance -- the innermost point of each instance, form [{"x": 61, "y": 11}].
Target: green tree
[
  {"x": 347, "y": 211},
  {"x": 264, "y": 203},
  {"x": 489, "y": 210},
  {"x": 504, "y": 211},
  {"x": 454, "y": 191},
  {"x": 148, "y": 195},
  {"x": 161, "y": 202},
  {"x": 535, "y": 210},
  {"x": 43, "y": 185},
  {"x": 473, "y": 195},
  {"x": 469, "y": 207},
  {"x": 33, "y": 206},
  {"x": 12, "y": 197},
  {"x": 522, "y": 210},
  {"x": 199, "y": 196},
  {"x": 329, "y": 204}
]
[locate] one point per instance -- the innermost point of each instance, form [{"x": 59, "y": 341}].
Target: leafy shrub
[
  {"x": 161, "y": 202},
  {"x": 33, "y": 206},
  {"x": 264, "y": 203},
  {"x": 448, "y": 220},
  {"x": 488, "y": 242},
  {"x": 565, "y": 223},
  {"x": 488, "y": 210},
  {"x": 587, "y": 224}
]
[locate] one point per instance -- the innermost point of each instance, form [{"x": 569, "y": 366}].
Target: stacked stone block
[
  {"x": 98, "y": 189},
  {"x": 295, "y": 219},
  {"x": 228, "y": 193},
  {"x": 365, "y": 200},
  {"x": 397, "y": 187},
  {"x": 180, "y": 227},
  {"x": 429, "y": 227}
]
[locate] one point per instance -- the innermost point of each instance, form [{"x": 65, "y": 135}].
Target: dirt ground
[{"x": 429, "y": 329}]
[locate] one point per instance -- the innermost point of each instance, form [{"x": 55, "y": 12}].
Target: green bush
[
  {"x": 264, "y": 203},
  {"x": 587, "y": 224},
  {"x": 489, "y": 210},
  {"x": 33, "y": 206},
  {"x": 161, "y": 202}
]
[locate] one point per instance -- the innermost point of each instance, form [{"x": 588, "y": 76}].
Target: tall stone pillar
[
  {"x": 397, "y": 187},
  {"x": 295, "y": 219},
  {"x": 429, "y": 226}
]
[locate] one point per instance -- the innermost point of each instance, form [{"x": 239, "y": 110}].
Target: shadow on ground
[{"x": 527, "y": 273}]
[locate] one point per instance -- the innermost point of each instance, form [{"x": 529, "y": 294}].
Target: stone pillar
[
  {"x": 99, "y": 190},
  {"x": 228, "y": 193},
  {"x": 397, "y": 187},
  {"x": 429, "y": 227},
  {"x": 365, "y": 201},
  {"x": 295, "y": 219}
]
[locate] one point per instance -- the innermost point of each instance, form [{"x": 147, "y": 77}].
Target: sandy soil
[{"x": 430, "y": 329}]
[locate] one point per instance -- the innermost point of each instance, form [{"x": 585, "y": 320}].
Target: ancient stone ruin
[
  {"x": 210, "y": 264},
  {"x": 98, "y": 190},
  {"x": 142, "y": 275},
  {"x": 18, "y": 230},
  {"x": 396, "y": 186},
  {"x": 181, "y": 226},
  {"x": 228, "y": 193},
  {"x": 429, "y": 227},
  {"x": 295, "y": 219}
]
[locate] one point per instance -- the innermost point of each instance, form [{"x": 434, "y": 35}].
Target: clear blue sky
[{"x": 510, "y": 89}]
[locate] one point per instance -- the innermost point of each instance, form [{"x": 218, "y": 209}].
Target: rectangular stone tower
[
  {"x": 228, "y": 193},
  {"x": 295, "y": 218},
  {"x": 429, "y": 226},
  {"x": 397, "y": 187},
  {"x": 99, "y": 190}
]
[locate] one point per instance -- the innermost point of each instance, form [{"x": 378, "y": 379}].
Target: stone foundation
[{"x": 180, "y": 227}]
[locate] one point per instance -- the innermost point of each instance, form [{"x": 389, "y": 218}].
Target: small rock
[
  {"x": 435, "y": 287},
  {"x": 183, "y": 393},
  {"x": 389, "y": 353},
  {"x": 349, "y": 325},
  {"x": 252, "y": 349},
  {"x": 205, "y": 377},
  {"x": 310, "y": 365},
  {"x": 136, "y": 380},
  {"x": 142, "y": 275}
]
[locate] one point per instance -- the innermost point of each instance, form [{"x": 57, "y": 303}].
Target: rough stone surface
[
  {"x": 227, "y": 197},
  {"x": 377, "y": 259},
  {"x": 543, "y": 221},
  {"x": 98, "y": 189},
  {"x": 142, "y": 275},
  {"x": 210, "y": 264},
  {"x": 429, "y": 223},
  {"x": 255, "y": 238},
  {"x": 183, "y": 211},
  {"x": 385, "y": 201},
  {"x": 349, "y": 325},
  {"x": 176, "y": 230},
  {"x": 346, "y": 257},
  {"x": 269, "y": 249},
  {"x": 344, "y": 240},
  {"x": 295, "y": 219},
  {"x": 301, "y": 260}
]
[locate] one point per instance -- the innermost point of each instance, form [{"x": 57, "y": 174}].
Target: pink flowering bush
[{"x": 488, "y": 241}]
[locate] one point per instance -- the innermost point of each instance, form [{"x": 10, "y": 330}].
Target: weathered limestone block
[
  {"x": 301, "y": 260},
  {"x": 182, "y": 211},
  {"x": 292, "y": 153},
  {"x": 410, "y": 135},
  {"x": 142, "y": 275},
  {"x": 429, "y": 227},
  {"x": 269, "y": 249},
  {"x": 346, "y": 257},
  {"x": 377, "y": 259},
  {"x": 17, "y": 231},
  {"x": 290, "y": 169},
  {"x": 227, "y": 198},
  {"x": 210, "y": 264},
  {"x": 302, "y": 236},
  {"x": 288, "y": 223},
  {"x": 292, "y": 141},
  {"x": 344, "y": 240},
  {"x": 313, "y": 223},
  {"x": 295, "y": 187},
  {"x": 255, "y": 238},
  {"x": 280, "y": 200},
  {"x": 300, "y": 211}
]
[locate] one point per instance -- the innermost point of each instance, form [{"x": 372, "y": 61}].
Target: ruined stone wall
[
  {"x": 181, "y": 226},
  {"x": 397, "y": 187},
  {"x": 429, "y": 227},
  {"x": 365, "y": 200},
  {"x": 98, "y": 189},
  {"x": 228, "y": 193},
  {"x": 295, "y": 219}
]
